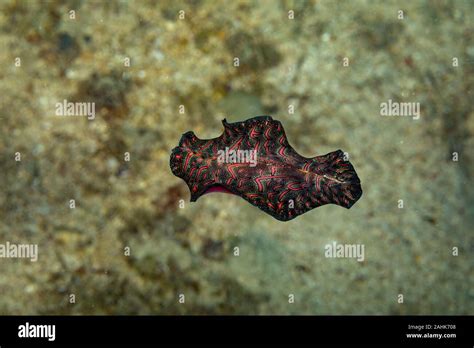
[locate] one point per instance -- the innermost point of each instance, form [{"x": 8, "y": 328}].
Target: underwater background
[{"x": 134, "y": 243}]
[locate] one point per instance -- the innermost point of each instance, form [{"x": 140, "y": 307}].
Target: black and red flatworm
[{"x": 279, "y": 181}]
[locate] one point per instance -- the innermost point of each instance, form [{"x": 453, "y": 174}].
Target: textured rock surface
[{"x": 190, "y": 62}]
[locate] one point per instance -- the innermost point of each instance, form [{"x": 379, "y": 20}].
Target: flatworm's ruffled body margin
[{"x": 280, "y": 181}]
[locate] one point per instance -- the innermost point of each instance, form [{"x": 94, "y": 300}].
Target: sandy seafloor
[{"x": 189, "y": 62}]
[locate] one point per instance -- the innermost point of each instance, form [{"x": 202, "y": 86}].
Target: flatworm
[{"x": 253, "y": 159}]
